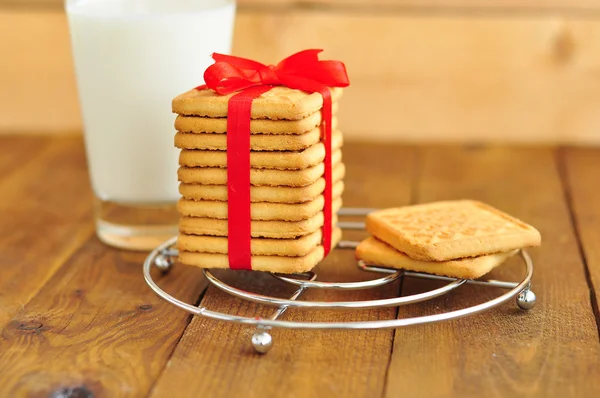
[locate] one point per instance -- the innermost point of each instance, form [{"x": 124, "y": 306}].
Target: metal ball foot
[
  {"x": 164, "y": 262},
  {"x": 262, "y": 341},
  {"x": 526, "y": 299}
]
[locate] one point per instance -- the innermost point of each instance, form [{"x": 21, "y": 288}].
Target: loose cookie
[
  {"x": 375, "y": 252},
  {"x": 449, "y": 230}
]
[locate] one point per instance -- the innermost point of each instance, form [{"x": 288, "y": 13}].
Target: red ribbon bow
[{"x": 303, "y": 71}]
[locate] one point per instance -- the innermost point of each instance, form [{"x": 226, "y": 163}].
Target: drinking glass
[{"x": 132, "y": 57}]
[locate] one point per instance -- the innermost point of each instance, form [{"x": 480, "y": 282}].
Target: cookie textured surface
[
  {"x": 281, "y": 264},
  {"x": 196, "y": 124},
  {"x": 266, "y": 194},
  {"x": 278, "y": 103},
  {"x": 293, "y": 247},
  {"x": 449, "y": 230},
  {"x": 258, "y": 211},
  {"x": 282, "y": 160},
  {"x": 375, "y": 252},
  {"x": 260, "y": 177}
]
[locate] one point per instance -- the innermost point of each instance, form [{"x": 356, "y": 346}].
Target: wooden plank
[
  {"x": 581, "y": 167},
  {"x": 401, "y": 5},
  {"x": 45, "y": 208},
  {"x": 550, "y": 351},
  {"x": 95, "y": 325},
  {"x": 482, "y": 79},
  {"x": 301, "y": 363},
  {"x": 16, "y": 151},
  {"x": 504, "y": 78},
  {"x": 431, "y": 5},
  {"x": 28, "y": 4}
]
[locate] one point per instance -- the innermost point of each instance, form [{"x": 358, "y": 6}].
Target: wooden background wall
[{"x": 421, "y": 70}]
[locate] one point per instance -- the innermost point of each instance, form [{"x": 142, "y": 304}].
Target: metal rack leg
[
  {"x": 262, "y": 341},
  {"x": 164, "y": 260},
  {"x": 526, "y": 298}
]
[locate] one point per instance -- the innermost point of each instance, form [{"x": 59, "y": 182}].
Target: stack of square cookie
[
  {"x": 463, "y": 239},
  {"x": 286, "y": 178}
]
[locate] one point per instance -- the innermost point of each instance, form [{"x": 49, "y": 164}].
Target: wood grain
[
  {"x": 29, "y": 4},
  {"x": 551, "y": 351},
  {"x": 95, "y": 325},
  {"x": 81, "y": 319},
  {"x": 426, "y": 77},
  {"x": 581, "y": 166},
  {"x": 301, "y": 363},
  {"x": 440, "y": 78},
  {"x": 431, "y": 5},
  {"x": 17, "y": 151},
  {"x": 45, "y": 208},
  {"x": 401, "y": 5}
]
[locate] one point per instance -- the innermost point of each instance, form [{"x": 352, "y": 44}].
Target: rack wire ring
[
  {"x": 522, "y": 287},
  {"x": 342, "y": 285},
  {"x": 365, "y": 304}
]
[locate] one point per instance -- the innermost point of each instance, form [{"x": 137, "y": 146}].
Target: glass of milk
[{"x": 132, "y": 57}]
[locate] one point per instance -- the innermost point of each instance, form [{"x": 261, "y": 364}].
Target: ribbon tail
[{"x": 328, "y": 193}]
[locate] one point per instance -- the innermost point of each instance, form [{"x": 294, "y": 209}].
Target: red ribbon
[{"x": 303, "y": 71}]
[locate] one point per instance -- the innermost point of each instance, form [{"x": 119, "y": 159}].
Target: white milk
[{"x": 132, "y": 57}]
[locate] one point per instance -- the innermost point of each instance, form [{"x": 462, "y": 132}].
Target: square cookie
[
  {"x": 266, "y": 194},
  {"x": 375, "y": 252},
  {"x": 280, "y": 160},
  {"x": 278, "y": 103},
  {"x": 449, "y": 230},
  {"x": 291, "y": 247},
  {"x": 260, "y": 177},
  {"x": 258, "y": 142},
  {"x": 198, "y": 124},
  {"x": 259, "y": 229},
  {"x": 280, "y": 264},
  {"x": 258, "y": 211}
]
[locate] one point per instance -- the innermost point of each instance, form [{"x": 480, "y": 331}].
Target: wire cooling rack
[{"x": 164, "y": 257}]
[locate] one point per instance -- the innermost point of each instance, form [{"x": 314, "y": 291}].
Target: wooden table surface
[{"x": 78, "y": 320}]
